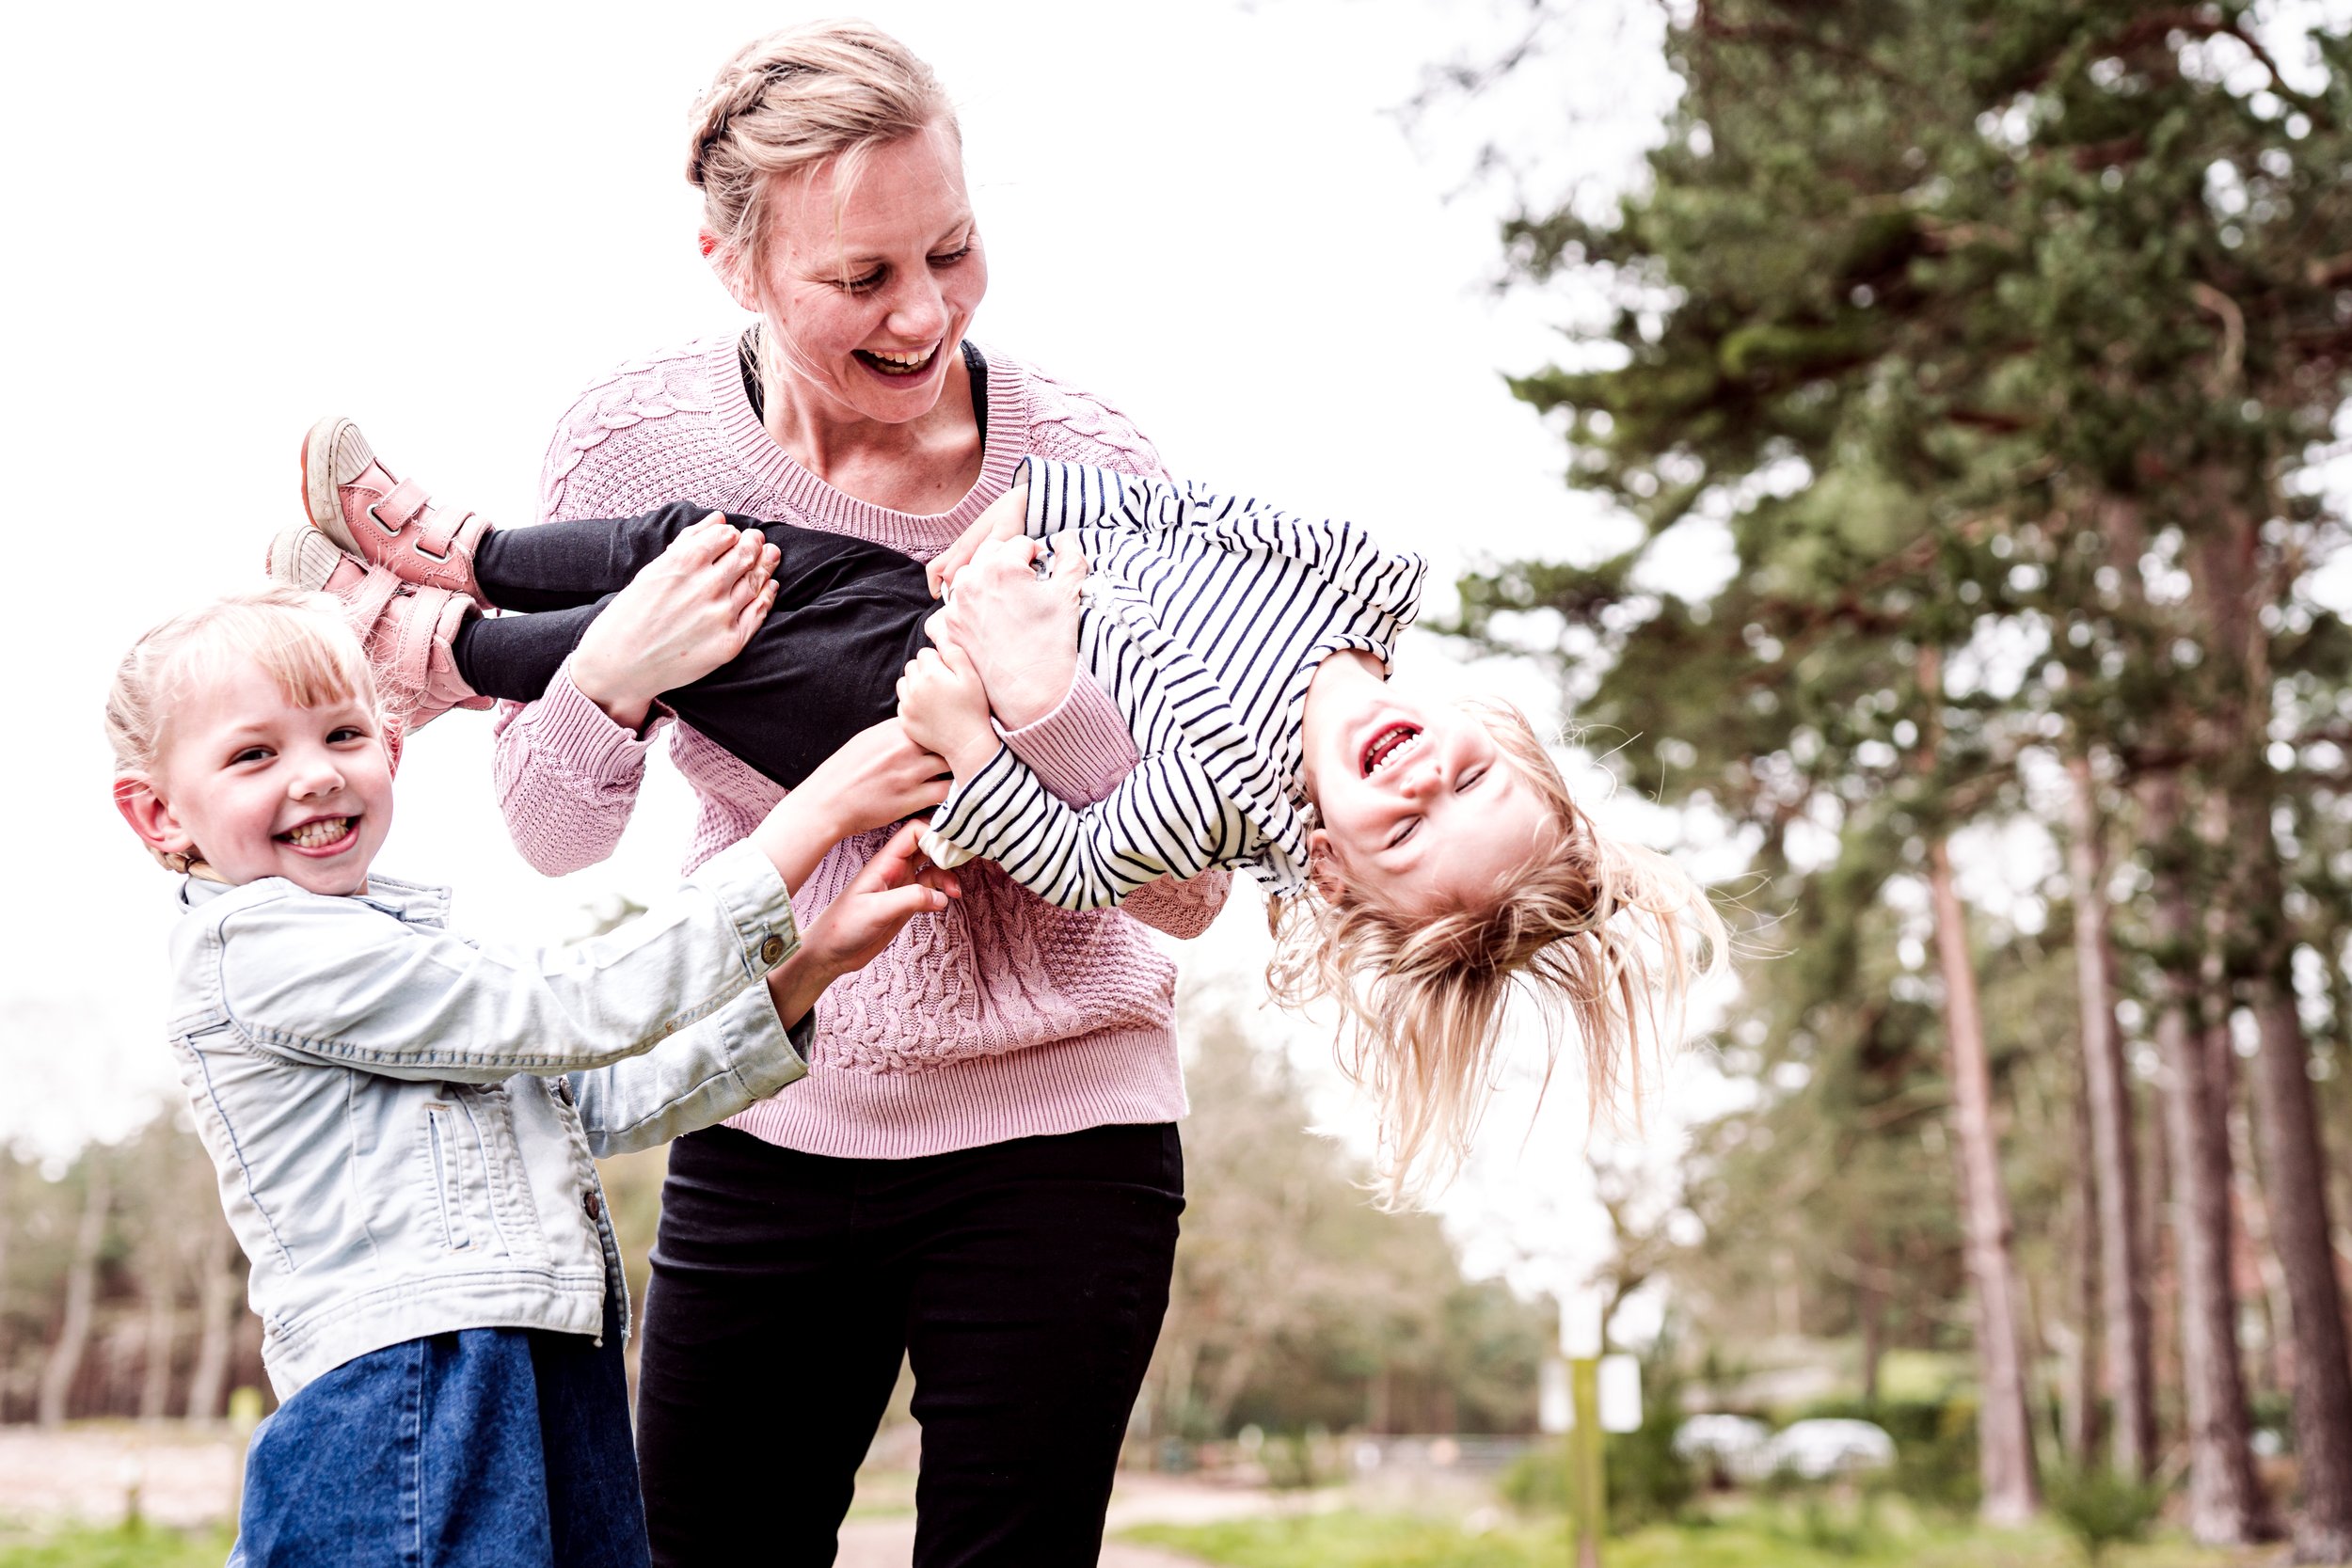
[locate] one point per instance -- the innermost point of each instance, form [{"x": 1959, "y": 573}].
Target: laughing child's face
[
  {"x": 1417, "y": 803},
  {"x": 254, "y": 785}
]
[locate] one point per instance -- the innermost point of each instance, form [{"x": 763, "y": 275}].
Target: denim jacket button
[
  {"x": 594, "y": 1208},
  {"x": 772, "y": 951}
]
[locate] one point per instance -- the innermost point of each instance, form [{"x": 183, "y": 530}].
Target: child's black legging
[{"x": 824, "y": 665}]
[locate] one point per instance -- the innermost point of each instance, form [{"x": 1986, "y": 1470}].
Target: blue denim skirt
[{"x": 489, "y": 1447}]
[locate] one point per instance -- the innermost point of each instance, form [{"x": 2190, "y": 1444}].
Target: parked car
[
  {"x": 1824, "y": 1448},
  {"x": 1722, "y": 1447}
]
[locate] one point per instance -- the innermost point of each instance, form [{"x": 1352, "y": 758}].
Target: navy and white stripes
[{"x": 1205, "y": 618}]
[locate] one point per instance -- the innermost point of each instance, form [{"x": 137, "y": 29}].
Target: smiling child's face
[
  {"x": 255, "y": 785},
  {"x": 1417, "y": 804}
]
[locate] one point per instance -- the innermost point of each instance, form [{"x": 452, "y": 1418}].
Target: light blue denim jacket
[{"x": 403, "y": 1121}]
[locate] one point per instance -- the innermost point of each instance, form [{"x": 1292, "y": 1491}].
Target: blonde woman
[{"x": 981, "y": 1171}]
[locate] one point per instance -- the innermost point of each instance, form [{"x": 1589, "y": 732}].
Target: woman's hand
[
  {"x": 681, "y": 618},
  {"x": 944, "y": 708},
  {"x": 1006, "y": 517},
  {"x": 1019, "y": 630},
  {"x": 897, "y": 884},
  {"x": 878, "y": 776}
]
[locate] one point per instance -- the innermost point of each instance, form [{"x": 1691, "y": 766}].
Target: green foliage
[
  {"x": 2102, "y": 1509},
  {"x": 1994, "y": 337},
  {"x": 1835, "y": 1535},
  {"x": 118, "y": 1548},
  {"x": 1936, "y": 1464},
  {"x": 1296, "y": 1305}
]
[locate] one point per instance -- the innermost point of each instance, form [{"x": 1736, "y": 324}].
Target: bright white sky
[{"x": 445, "y": 220}]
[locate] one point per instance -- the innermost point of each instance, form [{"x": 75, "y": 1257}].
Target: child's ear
[
  {"x": 150, "y": 816},
  {"x": 1323, "y": 865}
]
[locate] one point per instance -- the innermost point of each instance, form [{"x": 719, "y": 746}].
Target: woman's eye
[
  {"x": 867, "y": 284},
  {"x": 1468, "y": 780},
  {"x": 1411, "y": 824},
  {"x": 950, "y": 258}
]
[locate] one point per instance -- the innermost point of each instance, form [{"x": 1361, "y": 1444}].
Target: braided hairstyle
[{"x": 792, "y": 99}]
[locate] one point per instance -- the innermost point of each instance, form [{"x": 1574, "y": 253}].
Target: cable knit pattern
[{"x": 1000, "y": 1018}]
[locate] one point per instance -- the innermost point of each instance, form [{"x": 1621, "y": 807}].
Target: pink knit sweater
[{"x": 1000, "y": 1018}]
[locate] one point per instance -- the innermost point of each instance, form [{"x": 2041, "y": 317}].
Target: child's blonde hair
[
  {"x": 298, "y": 637},
  {"x": 1603, "y": 933}
]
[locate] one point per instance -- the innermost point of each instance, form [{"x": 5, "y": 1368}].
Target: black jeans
[
  {"x": 1024, "y": 1282},
  {"x": 824, "y": 665}
]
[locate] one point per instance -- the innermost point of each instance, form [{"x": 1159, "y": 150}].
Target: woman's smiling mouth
[{"x": 896, "y": 366}]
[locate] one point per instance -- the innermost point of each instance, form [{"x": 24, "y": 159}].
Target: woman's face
[{"x": 870, "y": 301}]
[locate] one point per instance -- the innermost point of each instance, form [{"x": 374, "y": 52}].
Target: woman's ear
[
  {"x": 150, "y": 816},
  {"x": 726, "y": 263},
  {"x": 1323, "y": 865}
]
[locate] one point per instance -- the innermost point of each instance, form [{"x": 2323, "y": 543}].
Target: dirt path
[{"x": 186, "y": 1479}]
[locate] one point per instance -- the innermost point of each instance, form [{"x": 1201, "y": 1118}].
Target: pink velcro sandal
[
  {"x": 406, "y": 628},
  {"x": 391, "y": 523}
]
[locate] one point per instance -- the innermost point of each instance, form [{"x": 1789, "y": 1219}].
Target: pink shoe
[
  {"x": 406, "y": 629},
  {"x": 354, "y": 501}
]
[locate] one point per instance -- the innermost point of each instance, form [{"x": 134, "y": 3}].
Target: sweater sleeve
[{"x": 566, "y": 777}]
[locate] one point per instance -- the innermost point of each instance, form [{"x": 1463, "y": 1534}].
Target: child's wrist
[{"x": 972, "y": 753}]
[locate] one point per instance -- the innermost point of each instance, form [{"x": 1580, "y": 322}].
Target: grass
[
  {"x": 148, "y": 1548},
  {"x": 1785, "y": 1536}
]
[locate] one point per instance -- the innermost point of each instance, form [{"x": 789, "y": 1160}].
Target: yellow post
[{"x": 1587, "y": 1481}]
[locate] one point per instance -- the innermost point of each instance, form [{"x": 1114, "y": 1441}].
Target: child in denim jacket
[{"x": 403, "y": 1123}]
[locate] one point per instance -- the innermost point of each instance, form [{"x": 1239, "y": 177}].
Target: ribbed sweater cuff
[
  {"x": 581, "y": 736},
  {"x": 1081, "y": 749}
]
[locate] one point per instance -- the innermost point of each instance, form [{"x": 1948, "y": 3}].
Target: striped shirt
[{"x": 1204, "y": 617}]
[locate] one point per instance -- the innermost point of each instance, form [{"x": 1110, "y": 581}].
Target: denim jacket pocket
[{"x": 449, "y": 1182}]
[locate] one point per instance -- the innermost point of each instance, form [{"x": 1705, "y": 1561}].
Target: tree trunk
[
  {"x": 2084, "y": 1426},
  {"x": 163, "y": 1322},
  {"x": 2225, "y": 1504},
  {"x": 2004, "y": 1452},
  {"x": 2113, "y": 1145},
  {"x": 81, "y": 1295},
  {"x": 216, "y": 1326},
  {"x": 2297, "y": 1193},
  {"x": 1871, "y": 1307}
]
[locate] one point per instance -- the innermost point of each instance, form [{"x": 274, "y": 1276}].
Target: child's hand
[
  {"x": 877, "y": 777},
  {"x": 1006, "y": 517},
  {"x": 685, "y": 615},
  {"x": 897, "y": 884},
  {"x": 1020, "y": 629},
  {"x": 944, "y": 708}
]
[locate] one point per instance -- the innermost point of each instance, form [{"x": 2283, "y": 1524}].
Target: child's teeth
[{"x": 312, "y": 835}]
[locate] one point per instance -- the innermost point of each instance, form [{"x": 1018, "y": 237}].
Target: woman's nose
[{"x": 920, "y": 310}]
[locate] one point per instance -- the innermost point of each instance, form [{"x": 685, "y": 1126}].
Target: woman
[{"x": 981, "y": 1170}]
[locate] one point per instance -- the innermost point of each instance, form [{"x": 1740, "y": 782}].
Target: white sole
[{"x": 333, "y": 454}]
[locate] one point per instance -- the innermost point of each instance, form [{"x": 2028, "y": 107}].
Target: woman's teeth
[
  {"x": 898, "y": 364},
  {"x": 317, "y": 835}
]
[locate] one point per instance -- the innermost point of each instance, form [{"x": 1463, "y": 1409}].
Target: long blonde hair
[{"x": 1605, "y": 937}]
